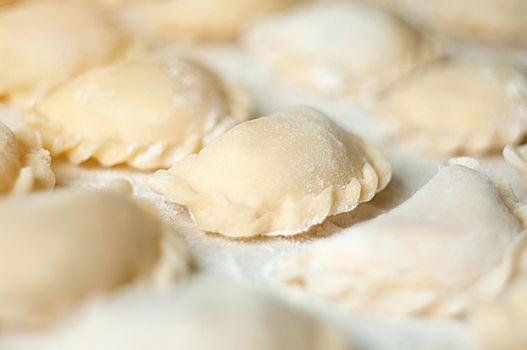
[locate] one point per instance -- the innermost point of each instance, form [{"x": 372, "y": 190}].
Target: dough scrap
[
  {"x": 425, "y": 257},
  {"x": 59, "y": 248},
  {"x": 163, "y": 22},
  {"x": 147, "y": 112},
  {"x": 338, "y": 49},
  {"x": 276, "y": 175},
  {"x": 206, "y": 313},
  {"x": 45, "y": 42},
  {"x": 24, "y": 164},
  {"x": 456, "y": 107}
]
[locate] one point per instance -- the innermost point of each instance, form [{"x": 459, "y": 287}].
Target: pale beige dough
[
  {"x": 24, "y": 164},
  {"x": 496, "y": 22},
  {"x": 58, "y": 249},
  {"x": 165, "y": 22},
  {"x": 338, "y": 49},
  {"x": 203, "y": 314},
  {"x": 428, "y": 256},
  {"x": 146, "y": 112},
  {"x": 276, "y": 175},
  {"x": 44, "y": 42},
  {"x": 456, "y": 107},
  {"x": 501, "y": 325}
]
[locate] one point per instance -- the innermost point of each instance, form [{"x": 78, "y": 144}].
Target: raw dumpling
[
  {"x": 338, "y": 49},
  {"x": 44, "y": 42},
  {"x": 424, "y": 257},
  {"x": 276, "y": 175},
  {"x": 196, "y": 20},
  {"x": 456, "y": 108},
  {"x": 499, "y": 22},
  {"x": 24, "y": 165},
  {"x": 203, "y": 314},
  {"x": 501, "y": 325},
  {"x": 59, "y": 248},
  {"x": 516, "y": 156},
  {"x": 146, "y": 112}
]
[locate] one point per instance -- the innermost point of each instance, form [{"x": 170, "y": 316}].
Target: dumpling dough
[
  {"x": 501, "y": 22},
  {"x": 44, "y": 42},
  {"x": 456, "y": 107},
  {"x": 501, "y": 325},
  {"x": 338, "y": 49},
  {"x": 196, "y": 20},
  {"x": 204, "y": 314},
  {"x": 24, "y": 164},
  {"x": 423, "y": 257},
  {"x": 59, "y": 248},
  {"x": 276, "y": 175},
  {"x": 146, "y": 112}
]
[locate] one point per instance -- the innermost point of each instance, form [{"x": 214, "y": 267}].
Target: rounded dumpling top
[
  {"x": 24, "y": 164},
  {"x": 57, "y": 249},
  {"x": 457, "y": 107},
  {"x": 146, "y": 112},
  {"x": 338, "y": 49},
  {"x": 196, "y": 20},
  {"x": 279, "y": 174},
  {"x": 45, "y": 42}
]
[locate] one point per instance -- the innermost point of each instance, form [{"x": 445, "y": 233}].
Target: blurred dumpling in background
[
  {"x": 163, "y": 22},
  {"x": 203, "y": 314},
  {"x": 24, "y": 164},
  {"x": 57, "y": 249},
  {"x": 45, "y": 42},
  {"x": 338, "y": 49},
  {"x": 456, "y": 107},
  {"x": 495, "y": 22},
  {"x": 147, "y": 112}
]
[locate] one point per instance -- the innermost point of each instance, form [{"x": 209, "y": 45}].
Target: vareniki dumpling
[
  {"x": 44, "y": 42},
  {"x": 338, "y": 49},
  {"x": 24, "y": 164},
  {"x": 146, "y": 112},
  {"x": 424, "y": 257},
  {"x": 276, "y": 175},
  {"x": 206, "y": 313},
  {"x": 57, "y": 249},
  {"x": 456, "y": 107},
  {"x": 167, "y": 21}
]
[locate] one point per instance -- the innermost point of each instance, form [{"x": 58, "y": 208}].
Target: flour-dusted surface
[{"x": 248, "y": 260}]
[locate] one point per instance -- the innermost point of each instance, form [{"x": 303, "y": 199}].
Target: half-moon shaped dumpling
[
  {"x": 501, "y": 325},
  {"x": 146, "y": 112},
  {"x": 276, "y": 175},
  {"x": 456, "y": 108},
  {"x": 203, "y": 314},
  {"x": 24, "y": 164},
  {"x": 338, "y": 49},
  {"x": 44, "y": 42},
  {"x": 56, "y": 249},
  {"x": 196, "y": 20},
  {"x": 423, "y": 257}
]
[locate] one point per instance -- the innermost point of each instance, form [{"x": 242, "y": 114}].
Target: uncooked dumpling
[
  {"x": 338, "y": 49},
  {"x": 147, "y": 112},
  {"x": 44, "y": 42},
  {"x": 423, "y": 257},
  {"x": 59, "y": 248},
  {"x": 501, "y": 325},
  {"x": 196, "y": 20},
  {"x": 456, "y": 108},
  {"x": 276, "y": 175},
  {"x": 498, "y": 22},
  {"x": 205, "y": 314},
  {"x": 24, "y": 164}
]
